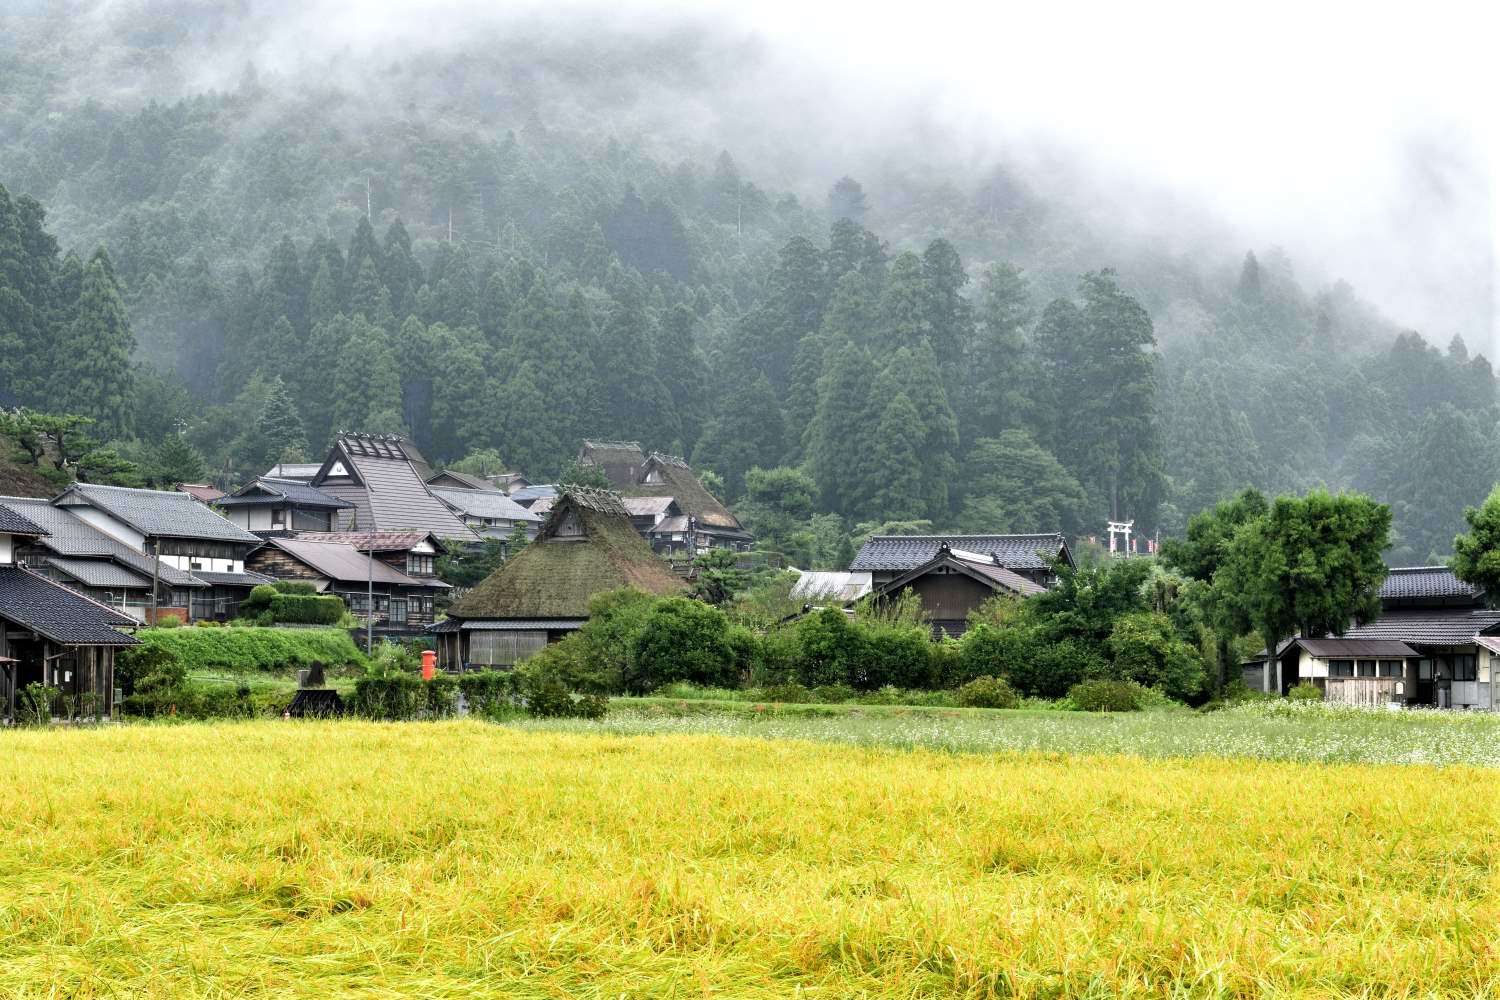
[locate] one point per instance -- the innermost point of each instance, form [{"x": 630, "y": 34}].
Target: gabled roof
[
  {"x": 387, "y": 487},
  {"x": 490, "y": 504},
  {"x": 971, "y": 564},
  {"x": 70, "y": 535},
  {"x": 1427, "y": 583},
  {"x": 898, "y": 553},
  {"x": 342, "y": 562},
  {"x": 302, "y": 471},
  {"x": 249, "y": 578},
  {"x": 157, "y": 513},
  {"x": 13, "y": 523},
  {"x": 622, "y": 462},
  {"x": 1333, "y": 649},
  {"x": 448, "y": 479},
  {"x": 554, "y": 578},
  {"x": 653, "y": 506},
  {"x": 1428, "y": 626},
  {"x": 201, "y": 492},
  {"x": 380, "y": 541},
  {"x": 54, "y": 611},
  {"x": 267, "y": 491},
  {"x": 527, "y": 495},
  {"x": 693, "y": 499}
]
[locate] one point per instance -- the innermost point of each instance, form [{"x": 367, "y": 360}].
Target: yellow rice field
[{"x": 469, "y": 860}]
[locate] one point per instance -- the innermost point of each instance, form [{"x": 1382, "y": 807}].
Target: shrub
[
  {"x": 247, "y": 649},
  {"x": 258, "y": 600},
  {"x": 1049, "y": 669},
  {"x": 168, "y": 621},
  {"x": 988, "y": 692},
  {"x": 775, "y": 658},
  {"x": 833, "y": 694},
  {"x": 791, "y": 693},
  {"x": 294, "y": 587},
  {"x": 306, "y": 609},
  {"x": 1105, "y": 696},
  {"x": 828, "y": 642},
  {"x": 489, "y": 693},
  {"x": 682, "y": 640},
  {"x": 990, "y": 651},
  {"x": 1146, "y": 649},
  {"x": 546, "y": 696},
  {"x": 1305, "y": 691},
  {"x": 34, "y": 706},
  {"x": 892, "y": 654},
  {"x": 136, "y": 662}
]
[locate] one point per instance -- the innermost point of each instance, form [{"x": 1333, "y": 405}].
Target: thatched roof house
[
  {"x": 702, "y": 521},
  {"x": 586, "y": 547}
]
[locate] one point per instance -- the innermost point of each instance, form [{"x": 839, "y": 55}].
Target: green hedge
[
  {"x": 307, "y": 609},
  {"x": 254, "y": 648}
]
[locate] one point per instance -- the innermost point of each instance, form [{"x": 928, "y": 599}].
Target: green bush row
[{"x": 254, "y": 648}]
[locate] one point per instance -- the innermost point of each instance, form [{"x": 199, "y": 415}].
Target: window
[
  {"x": 1392, "y": 668},
  {"x": 1465, "y": 667},
  {"x": 1367, "y": 668},
  {"x": 278, "y": 517},
  {"x": 1340, "y": 668},
  {"x": 1424, "y": 670},
  {"x": 418, "y": 565},
  {"x": 503, "y": 648},
  {"x": 398, "y": 611}
]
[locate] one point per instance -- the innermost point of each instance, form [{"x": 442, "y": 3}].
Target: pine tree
[
  {"x": 93, "y": 366},
  {"x": 366, "y": 382},
  {"x": 458, "y": 425},
  {"x": 950, "y": 318},
  {"x": 846, "y": 201},
  {"x": 369, "y": 298},
  {"x": 175, "y": 461},
  {"x": 854, "y": 248},
  {"x": 914, "y": 372},
  {"x": 841, "y": 431},
  {"x": 399, "y": 270},
  {"x": 283, "y": 290},
  {"x": 637, "y": 405},
  {"x": 323, "y": 298},
  {"x": 279, "y": 433}
]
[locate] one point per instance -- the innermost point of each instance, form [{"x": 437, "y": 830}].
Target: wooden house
[
  {"x": 174, "y": 530},
  {"x": 702, "y": 521},
  {"x": 1436, "y": 643},
  {"x": 450, "y": 480},
  {"x": 385, "y": 479},
  {"x": 586, "y": 547},
  {"x": 403, "y": 603},
  {"x": 267, "y": 506},
  {"x": 955, "y": 582},
  {"x": 622, "y": 462},
  {"x": 52, "y": 635},
  {"x": 886, "y": 557}
]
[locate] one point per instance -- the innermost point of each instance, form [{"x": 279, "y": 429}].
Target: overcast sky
[{"x": 1358, "y": 136}]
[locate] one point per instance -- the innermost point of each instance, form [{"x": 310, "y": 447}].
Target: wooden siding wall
[{"x": 950, "y": 596}]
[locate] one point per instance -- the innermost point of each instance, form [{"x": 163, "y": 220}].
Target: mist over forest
[{"x": 503, "y": 232}]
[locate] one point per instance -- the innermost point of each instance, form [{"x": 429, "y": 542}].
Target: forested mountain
[{"x": 478, "y": 251}]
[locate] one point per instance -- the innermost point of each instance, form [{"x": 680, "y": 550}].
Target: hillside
[{"x": 490, "y": 247}]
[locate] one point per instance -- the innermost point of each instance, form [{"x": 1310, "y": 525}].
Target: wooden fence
[{"x": 1370, "y": 691}]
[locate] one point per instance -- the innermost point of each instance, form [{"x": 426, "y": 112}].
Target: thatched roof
[
  {"x": 678, "y": 480},
  {"x": 555, "y": 576},
  {"x": 620, "y": 461}
]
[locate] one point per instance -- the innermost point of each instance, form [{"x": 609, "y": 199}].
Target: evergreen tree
[
  {"x": 893, "y": 466},
  {"x": 995, "y": 396},
  {"x": 851, "y": 247},
  {"x": 399, "y": 270},
  {"x": 283, "y": 290},
  {"x": 323, "y": 298},
  {"x": 846, "y": 201},
  {"x": 1014, "y": 485},
  {"x": 279, "y": 436},
  {"x": 683, "y": 370},
  {"x": 914, "y": 372},
  {"x": 636, "y": 403},
  {"x": 175, "y": 461},
  {"x": 746, "y": 432},
  {"x": 458, "y": 425},
  {"x": 950, "y": 318},
  {"x": 904, "y": 320},
  {"x": 841, "y": 432},
  {"x": 366, "y": 382},
  {"x": 93, "y": 366}
]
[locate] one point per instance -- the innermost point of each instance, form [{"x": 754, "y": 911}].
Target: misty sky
[{"x": 1356, "y": 137}]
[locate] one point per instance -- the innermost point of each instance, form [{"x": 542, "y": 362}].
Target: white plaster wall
[
  {"x": 7, "y": 549},
  {"x": 118, "y": 530}
]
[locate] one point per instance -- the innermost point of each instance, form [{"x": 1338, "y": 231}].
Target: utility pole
[
  {"x": 370, "y": 601},
  {"x": 155, "y": 576}
]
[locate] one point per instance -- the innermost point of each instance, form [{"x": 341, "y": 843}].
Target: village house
[
  {"x": 80, "y": 556},
  {"x": 488, "y": 513},
  {"x": 450, "y": 480},
  {"x": 302, "y": 472},
  {"x": 887, "y": 557},
  {"x": 385, "y": 478},
  {"x": 175, "y": 531},
  {"x": 343, "y": 565},
  {"x": 955, "y": 582},
  {"x": 694, "y": 520},
  {"x": 529, "y": 496},
  {"x": 266, "y": 506},
  {"x": 202, "y": 492},
  {"x": 1436, "y": 643},
  {"x": 586, "y": 546},
  {"x": 51, "y": 635}
]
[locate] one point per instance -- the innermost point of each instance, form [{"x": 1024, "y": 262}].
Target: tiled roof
[
  {"x": 1429, "y": 582},
  {"x": 12, "y": 523},
  {"x": 460, "y": 481},
  {"x": 266, "y": 490},
  {"x": 898, "y": 553},
  {"x": 164, "y": 513},
  {"x": 484, "y": 503},
  {"x": 641, "y": 506},
  {"x": 518, "y": 624},
  {"x": 245, "y": 579},
  {"x": 1008, "y": 579},
  {"x": 1335, "y": 648},
  {"x": 303, "y": 471},
  {"x": 537, "y": 491},
  {"x": 342, "y": 562},
  {"x": 69, "y": 535},
  {"x": 1427, "y": 626},
  {"x": 392, "y": 494},
  {"x": 58, "y": 613},
  {"x": 381, "y": 541},
  {"x": 101, "y": 573}
]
